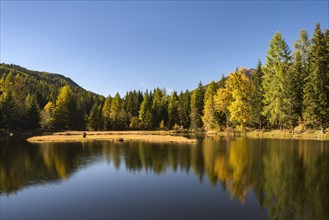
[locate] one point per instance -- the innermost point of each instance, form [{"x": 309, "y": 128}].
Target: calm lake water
[{"x": 216, "y": 178}]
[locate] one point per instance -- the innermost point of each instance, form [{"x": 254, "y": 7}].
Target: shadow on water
[{"x": 290, "y": 179}]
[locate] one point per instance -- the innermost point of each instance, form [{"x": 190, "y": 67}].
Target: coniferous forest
[{"x": 290, "y": 89}]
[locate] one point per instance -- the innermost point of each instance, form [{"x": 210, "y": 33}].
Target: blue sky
[{"x": 110, "y": 46}]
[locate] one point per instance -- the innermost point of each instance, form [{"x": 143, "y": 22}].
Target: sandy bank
[{"x": 74, "y": 136}]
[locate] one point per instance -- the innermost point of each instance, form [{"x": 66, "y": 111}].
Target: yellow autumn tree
[
  {"x": 223, "y": 99},
  {"x": 240, "y": 87}
]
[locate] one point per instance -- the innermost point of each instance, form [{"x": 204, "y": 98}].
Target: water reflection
[{"x": 289, "y": 178}]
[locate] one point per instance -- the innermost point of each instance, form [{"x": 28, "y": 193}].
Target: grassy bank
[
  {"x": 274, "y": 133},
  {"x": 77, "y": 136},
  {"x": 287, "y": 134}
]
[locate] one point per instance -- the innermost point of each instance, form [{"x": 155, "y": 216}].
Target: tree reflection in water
[{"x": 289, "y": 178}]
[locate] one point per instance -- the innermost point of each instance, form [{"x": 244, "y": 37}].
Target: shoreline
[
  {"x": 119, "y": 136},
  {"x": 170, "y": 136}
]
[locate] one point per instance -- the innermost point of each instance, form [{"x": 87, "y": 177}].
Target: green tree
[
  {"x": 209, "y": 118},
  {"x": 159, "y": 107},
  {"x": 134, "y": 123},
  {"x": 316, "y": 91},
  {"x": 145, "y": 116},
  {"x": 106, "y": 113},
  {"x": 276, "y": 67},
  {"x": 94, "y": 121},
  {"x": 197, "y": 105},
  {"x": 32, "y": 112},
  {"x": 257, "y": 96},
  {"x": 293, "y": 93},
  {"x": 173, "y": 115},
  {"x": 185, "y": 109},
  {"x": 8, "y": 112},
  {"x": 299, "y": 71}
]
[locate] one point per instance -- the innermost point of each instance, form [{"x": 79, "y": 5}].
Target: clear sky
[{"x": 110, "y": 46}]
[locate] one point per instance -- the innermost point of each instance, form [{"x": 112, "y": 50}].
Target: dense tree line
[{"x": 291, "y": 89}]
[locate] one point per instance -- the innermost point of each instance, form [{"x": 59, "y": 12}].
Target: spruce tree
[
  {"x": 32, "y": 112},
  {"x": 185, "y": 109},
  {"x": 316, "y": 91},
  {"x": 257, "y": 96},
  {"x": 9, "y": 112},
  {"x": 293, "y": 93}
]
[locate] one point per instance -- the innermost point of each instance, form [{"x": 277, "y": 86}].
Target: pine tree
[
  {"x": 209, "y": 118},
  {"x": 316, "y": 91},
  {"x": 277, "y": 65},
  {"x": 257, "y": 96}
]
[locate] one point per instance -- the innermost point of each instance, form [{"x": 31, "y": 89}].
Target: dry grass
[
  {"x": 286, "y": 134},
  {"x": 77, "y": 136}
]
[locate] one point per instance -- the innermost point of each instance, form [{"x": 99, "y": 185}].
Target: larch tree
[
  {"x": 209, "y": 118},
  {"x": 223, "y": 99},
  {"x": 240, "y": 108},
  {"x": 276, "y": 67},
  {"x": 95, "y": 121},
  {"x": 145, "y": 116},
  {"x": 173, "y": 115},
  {"x": 197, "y": 105},
  {"x": 116, "y": 106},
  {"x": 60, "y": 117},
  {"x": 106, "y": 113}
]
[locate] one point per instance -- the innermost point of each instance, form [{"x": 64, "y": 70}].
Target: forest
[{"x": 291, "y": 89}]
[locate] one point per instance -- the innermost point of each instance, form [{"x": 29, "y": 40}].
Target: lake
[{"x": 216, "y": 178}]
